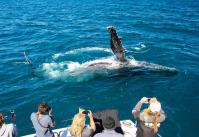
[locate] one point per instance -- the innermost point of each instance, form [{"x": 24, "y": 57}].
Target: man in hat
[{"x": 109, "y": 126}]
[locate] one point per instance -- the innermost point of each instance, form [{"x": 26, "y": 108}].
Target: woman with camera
[
  {"x": 150, "y": 118},
  {"x": 43, "y": 120},
  {"x": 78, "y": 128},
  {"x": 7, "y": 130}
]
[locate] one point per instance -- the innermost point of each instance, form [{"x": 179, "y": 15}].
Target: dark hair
[
  {"x": 1, "y": 119},
  {"x": 43, "y": 107},
  {"x": 108, "y": 123}
]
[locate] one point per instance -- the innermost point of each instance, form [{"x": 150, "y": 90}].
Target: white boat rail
[{"x": 127, "y": 126}]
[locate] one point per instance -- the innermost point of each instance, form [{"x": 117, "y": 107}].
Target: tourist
[
  {"x": 109, "y": 128},
  {"x": 7, "y": 130},
  {"x": 43, "y": 120},
  {"x": 150, "y": 118},
  {"x": 78, "y": 128}
]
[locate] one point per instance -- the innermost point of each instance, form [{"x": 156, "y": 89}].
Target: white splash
[
  {"x": 75, "y": 71},
  {"x": 57, "y": 55},
  {"x": 75, "y": 51},
  {"x": 139, "y": 47}
]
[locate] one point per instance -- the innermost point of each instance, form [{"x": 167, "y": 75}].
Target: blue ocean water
[{"x": 59, "y": 35}]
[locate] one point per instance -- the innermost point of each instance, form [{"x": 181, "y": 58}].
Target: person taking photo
[
  {"x": 7, "y": 130},
  {"x": 149, "y": 119},
  {"x": 43, "y": 121}
]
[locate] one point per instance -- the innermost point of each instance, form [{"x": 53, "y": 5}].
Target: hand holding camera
[
  {"x": 49, "y": 110},
  {"x": 12, "y": 116},
  {"x": 146, "y": 100},
  {"x": 86, "y": 112}
]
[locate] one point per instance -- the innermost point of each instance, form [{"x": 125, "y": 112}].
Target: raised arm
[
  {"x": 92, "y": 123},
  {"x": 52, "y": 124},
  {"x": 136, "y": 109}
]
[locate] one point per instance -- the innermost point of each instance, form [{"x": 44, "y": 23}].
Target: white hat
[{"x": 155, "y": 107}]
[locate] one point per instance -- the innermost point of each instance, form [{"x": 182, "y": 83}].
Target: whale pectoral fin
[
  {"x": 116, "y": 44},
  {"x": 27, "y": 61}
]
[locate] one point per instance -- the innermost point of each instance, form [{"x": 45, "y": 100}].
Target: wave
[
  {"x": 140, "y": 48},
  {"x": 75, "y": 51}
]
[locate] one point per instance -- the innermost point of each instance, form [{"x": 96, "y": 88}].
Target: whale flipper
[
  {"x": 27, "y": 61},
  {"x": 116, "y": 44}
]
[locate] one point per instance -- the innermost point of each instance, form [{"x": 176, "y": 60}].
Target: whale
[
  {"x": 116, "y": 65},
  {"x": 121, "y": 62}
]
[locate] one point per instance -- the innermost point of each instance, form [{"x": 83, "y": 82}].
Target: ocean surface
[{"x": 62, "y": 37}]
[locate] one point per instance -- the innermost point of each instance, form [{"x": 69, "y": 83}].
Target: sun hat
[{"x": 155, "y": 107}]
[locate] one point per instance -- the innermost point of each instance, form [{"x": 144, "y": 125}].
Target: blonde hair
[
  {"x": 77, "y": 125},
  {"x": 148, "y": 112}
]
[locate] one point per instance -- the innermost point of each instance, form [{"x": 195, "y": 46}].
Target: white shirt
[
  {"x": 8, "y": 130},
  {"x": 108, "y": 133}
]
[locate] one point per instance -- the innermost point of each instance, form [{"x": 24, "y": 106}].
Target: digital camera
[
  {"x": 48, "y": 109},
  {"x": 86, "y": 112}
]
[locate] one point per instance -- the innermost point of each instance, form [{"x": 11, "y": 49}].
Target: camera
[
  {"x": 86, "y": 112},
  {"x": 12, "y": 113},
  {"x": 48, "y": 109},
  {"x": 12, "y": 116}
]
